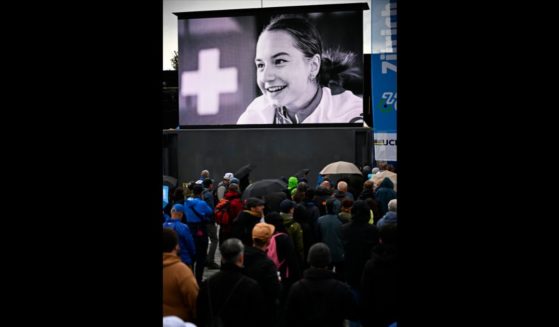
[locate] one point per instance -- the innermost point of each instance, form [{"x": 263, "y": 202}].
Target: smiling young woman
[{"x": 299, "y": 82}]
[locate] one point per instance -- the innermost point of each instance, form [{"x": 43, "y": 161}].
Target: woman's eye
[
  {"x": 259, "y": 66},
  {"x": 280, "y": 61}
]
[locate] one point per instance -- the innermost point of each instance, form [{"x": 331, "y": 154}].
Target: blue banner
[
  {"x": 383, "y": 78},
  {"x": 384, "y": 93}
]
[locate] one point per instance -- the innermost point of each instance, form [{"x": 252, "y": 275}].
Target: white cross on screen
[{"x": 208, "y": 82}]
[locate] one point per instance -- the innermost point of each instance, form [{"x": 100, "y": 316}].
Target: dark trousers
[
  {"x": 224, "y": 234},
  {"x": 212, "y": 233},
  {"x": 200, "y": 259}
]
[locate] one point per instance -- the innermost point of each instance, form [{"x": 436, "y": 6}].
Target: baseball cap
[
  {"x": 286, "y": 205},
  {"x": 263, "y": 231},
  {"x": 178, "y": 208},
  {"x": 253, "y": 202}
]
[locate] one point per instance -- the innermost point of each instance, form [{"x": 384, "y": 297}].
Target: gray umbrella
[{"x": 340, "y": 167}]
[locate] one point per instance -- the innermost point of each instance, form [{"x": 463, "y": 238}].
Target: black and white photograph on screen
[{"x": 277, "y": 69}]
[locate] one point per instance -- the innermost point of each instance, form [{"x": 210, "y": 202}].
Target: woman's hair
[{"x": 336, "y": 66}]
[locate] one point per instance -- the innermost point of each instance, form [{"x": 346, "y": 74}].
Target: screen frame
[
  {"x": 272, "y": 10},
  {"x": 269, "y": 11}
]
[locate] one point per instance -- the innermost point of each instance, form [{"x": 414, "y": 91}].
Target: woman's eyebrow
[
  {"x": 280, "y": 54},
  {"x": 274, "y": 56}
]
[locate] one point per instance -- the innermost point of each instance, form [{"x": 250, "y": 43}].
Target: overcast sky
[{"x": 170, "y": 36}]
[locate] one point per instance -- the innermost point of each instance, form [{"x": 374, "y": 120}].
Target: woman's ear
[{"x": 315, "y": 62}]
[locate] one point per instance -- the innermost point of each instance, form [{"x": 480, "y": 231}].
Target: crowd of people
[{"x": 301, "y": 256}]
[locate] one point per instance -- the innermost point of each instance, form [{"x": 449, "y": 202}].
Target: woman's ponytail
[{"x": 337, "y": 67}]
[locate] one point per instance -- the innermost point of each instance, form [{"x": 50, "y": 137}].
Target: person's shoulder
[
  {"x": 259, "y": 111},
  {"x": 349, "y": 105},
  {"x": 348, "y": 100},
  {"x": 249, "y": 282},
  {"x": 197, "y": 201},
  {"x": 297, "y": 286},
  {"x": 184, "y": 270},
  {"x": 344, "y": 107}
]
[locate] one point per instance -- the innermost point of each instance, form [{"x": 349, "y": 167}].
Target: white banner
[{"x": 385, "y": 146}]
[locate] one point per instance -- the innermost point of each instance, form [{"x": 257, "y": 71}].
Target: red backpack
[
  {"x": 273, "y": 253},
  {"x": 221, "y": 212}
]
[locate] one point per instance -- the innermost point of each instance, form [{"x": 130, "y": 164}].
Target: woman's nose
[{"x": 268, "y": 74}]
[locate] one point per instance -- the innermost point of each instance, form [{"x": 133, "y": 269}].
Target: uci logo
[{"x": 385, "y": 142}]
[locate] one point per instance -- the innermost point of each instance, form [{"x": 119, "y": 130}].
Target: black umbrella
[
  {"x": 244, "y": 171},
  {"x": 242, "y": 175},
  {"x": 302, "y": 173},
  {"x": 264, "y": 187}
]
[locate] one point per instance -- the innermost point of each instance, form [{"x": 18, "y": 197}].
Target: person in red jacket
[{"x": 235, "y": 206}]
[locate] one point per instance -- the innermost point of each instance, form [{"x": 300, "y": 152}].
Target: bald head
[
  {"x": 392, "y": 205},
  {"x": 342, "y": 186},
  {"x": 325, "y": 184}
]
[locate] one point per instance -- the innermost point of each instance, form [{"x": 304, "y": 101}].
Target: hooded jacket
[
  {"x": 389, "y": 218},
  {"x": 186, "y": 242},
  {"x": 359, "y": 238},
  {"x": 292, "y": 184},
  {"x": 237, "y": 299},
  {"x": 180, "y": 289},
  {"x": 202, "y": 209},
  {"x": 320, "y": 300},
  {"x": 384, "y": 193},
  {"x": 295, "y": 232}
]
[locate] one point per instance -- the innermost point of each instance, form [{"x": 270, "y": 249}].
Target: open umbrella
[
  {"x": 242, "y": 175},
  {"x": 378, "y": 177},
  {"x": 244, "y": 171},
  {"x": 302, "y": 173},
  {"x": 340, "y": 167},
  {"x": 263, "y": 187}
]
